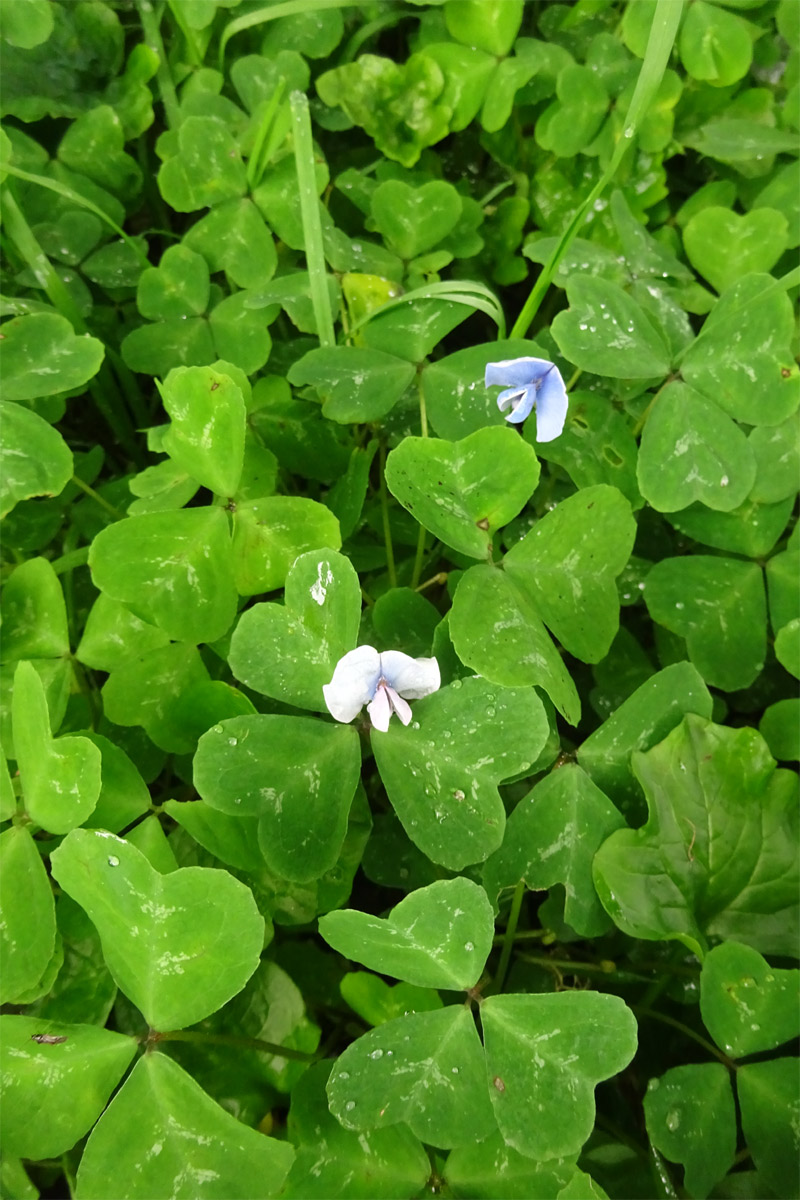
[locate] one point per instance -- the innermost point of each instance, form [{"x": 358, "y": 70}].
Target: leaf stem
[
  {"x": 640, "y": 1010},
  {"x": 230, "y": 1039},
  {"x": 387, "y": 528},
  {"x": 419, "y": 557},
  {"x": 166, "y": 86},
  {"x": 508, "y": 940},
  {"x": 115, "y": 513}
]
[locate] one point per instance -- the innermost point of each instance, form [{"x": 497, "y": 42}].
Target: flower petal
[
  {"x": 523, "y": 406},
  {"x": 399, "y": 705},
  {"x": 551, "y": 407},
  {"x": 510, "y": 398},
  {"x": 354, "y": 681},
  {"x": 380, "y": 710},
  {"x": 412, "y": 678},
  {"x": 519, "y": 372}
]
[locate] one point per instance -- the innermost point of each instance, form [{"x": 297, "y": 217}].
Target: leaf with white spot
[
  {"x": 179, "y": 945},
  {"x": 438, "y": 937},
  {"x": 34, "y": 457},
  {"x": 40, "y": 355},
  {"x": 27, "y": 915},
  {"x": 173, "y": 569},
  {"x": 56, "y": 1080},
  {"x": 545, "y": 1055},
  {"x": 289, "y": 651},
  {"x": 424, "y": 1069},
  {"x": 206, "y": 434},
  {"x": 606, "y": 332},
  {"x": 691, "y": 1118},
  {"x": 297, "y": 775},
  {"x": 162, "y": 1135}
]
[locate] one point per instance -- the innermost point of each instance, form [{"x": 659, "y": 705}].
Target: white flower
[{"x": 384, "y": 682}]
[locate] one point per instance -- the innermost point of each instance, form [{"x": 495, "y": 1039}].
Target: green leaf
[
  {"x": 777, "y": 456},
  {"x": 28, "y": 24},
  {"x": 551, "y": 837},
  {"x": 94, "y": 146},
  {"x": 60, "y": 777},
  {"x": 83, "y": 991},
  {"x": 355, "y": 384},
  {"x": 174, "y": 569},
  {"x": 751, "y": 529},
  {"x": 738, "y": 140},
  {"x": 412, "y": 327},
  {"x": 378, "y": 1002},
  {"x": 177, "y": 288},
  {"x": 413, "y": 220},
  {"x": 489, "y": 29},
  {"x": 404, "y": 620},
  {"x": 742, "y": 359},
  {"x": 438, "y": 937},
  {"x": 490, "y": 1169},
  {"x": 269, "y": 535},
  {"x": 234, "y": 238},
  {"x": 566, "y": 567},
  {"x": 463, "y": 492},
  {"x": 123, "y": 793},
  {"x": 207, "y": 168},
  {"x": 55, "y": 1091},
  {"x": 544, "y": 1056},
  {"x": 569, "y": 124},
  {"x": 718, "y": 855},
  {"x": 441, "y": 772},
  {"x": 297, "y": 775},
  {"x": 787, "y": 647},
  {"x": 178, "y": 945},
  {"x": 692, "y": 450},
  {"x": 289, "y": 651},
  {"x": 595, "y": 446},
  {"x": 34, "y": 616},
  {"x": 240, "y": 334},
  {"x": 606, "y": 332},
  {"x": 719, "y": 606},
  {"x": 27, "y": 915},
  {"x": 715, "y": 45},
  {"x": 379, "y": 1164},
  {"x": 724, "y": 246},
  {"x": 202, "y": 1149},
  {"x": 41, "y": 355},
  {"x": 424, "y": 1069},
  {"x": 144, "y": 690},
  {"x": 768, "y": 1102},
  {"x": 780, "y": 727},
  {"x": 497, "y": 631},
  {"x": 36, "y": 460},
  {"x": 457, "y": 400},
  {"x": 206, "y": 436},
  {"x": 747, "y": 1005},
  {"x": 691, "y": 1119}
]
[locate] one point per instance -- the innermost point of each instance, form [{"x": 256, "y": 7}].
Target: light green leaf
[
  {"x": 206, "y": 436},
  {"x": 438, "y": 937},
  {"x": 173, "y": 569},
  {"x": 289, "y": 651},
  {"x": 424, "y": 1069},
  {"x": 178, "y": 945},
  {"x": 207, "y": 168},
  {"x": 715, "y": 45},
  {"x": 34, "y": 457},
  {"x": 768, "y": 1102},
  {"x": 691, "y": 1119},
  {"x": 551, "y": 837},
  {"x": 40, "y": 355},
  {"x": 414, "y": 219},
  {"x": 145, "y": 691},
  {"x": 490, "y": 1169},
  {"x": 234, "y": 238},
  {"x": 723, "y": 246},
  {"x": 606, "y": 332},
  {"x": 544, "y": 1056},
  {"x": 297, "y": 775},
  {"x": 55, "y": 1091},
  {"x": 747, "y": 1005},
  {"x": 34, "y": 616},
  {"x": 719, "y": 606},
  {"x": 463, "y": 492},
  {"x": 203, "y": 1151},
  {"x": 718, "y": 855},
  {"x": 60, "y": 777},
  {"x": 497, "y": 631},
  {"x": 269, "y": 535},
  {"x": 566, "y": 567},
  {"x": 490, "y": 29},
  {"x": 27, "y": 915},
  {"x": 441, "y": 772},
  {"x": 355, "y": 384},
  {"x": 692, "y": 450}
]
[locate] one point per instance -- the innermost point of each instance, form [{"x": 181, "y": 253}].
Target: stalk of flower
[
  {"x": 531, "y": 383},
  {"x": 383, "y": 682}
]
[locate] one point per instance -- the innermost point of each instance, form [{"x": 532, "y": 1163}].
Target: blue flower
[
  {"x": 384, "y": 682},
  {"x": 529, "y": 383}
]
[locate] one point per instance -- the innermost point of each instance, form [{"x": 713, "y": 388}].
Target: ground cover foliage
[{"x": 539, "y": 940}]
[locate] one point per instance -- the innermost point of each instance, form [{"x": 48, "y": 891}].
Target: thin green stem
[
  {"x": 68, "y": 562},
  {"x": 152, "y": 32},
  {"x": 193, "y": 52},
  {"x": 574, "y": 378},
  {"x": 230, "y": 1039},
  {"x": 309, "y": 211},
  {"x": 115, "y": 513},
  {"x": 508, "y": 939},
  {"x": 419, "y": 557},
  {"x": 640, "y": 1010},
  {"x": 387, "y": 528},
  {"x": 439, "y": 577},
  {"x": 567, "y": 966}
]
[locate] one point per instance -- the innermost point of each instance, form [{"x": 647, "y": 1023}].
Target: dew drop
[
  {"x": 349, "y": 1106},
  {"x": 469, "y": 946},
  {"x": 344, "y": 1074},
  {"x": 673, "y": 1120},
  {"x": 232, "y": 741},
  {"x": 113, "y": 861},
  {"x": 454, "y": 1070},
  {"x": 755, "y": 1028},
  {"x": 217, "y": 729},
  {"x": 456, "y": 683},
  {"x": 458, "y": 794},
  {"x": 415, "y": 724},
  {"x": 491, "y": 712}
]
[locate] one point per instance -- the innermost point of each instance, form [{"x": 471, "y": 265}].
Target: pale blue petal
[
  {"x": 519, "y": 372},
  {"x": 510, "y": 398},
  {"x": 353, "y": 685},
  {"x": 380, "y": 710},
  {"x": 411, "y": 678},
  {"x": 523, "y": 406},
  {"x": 551, "y": 407}
]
